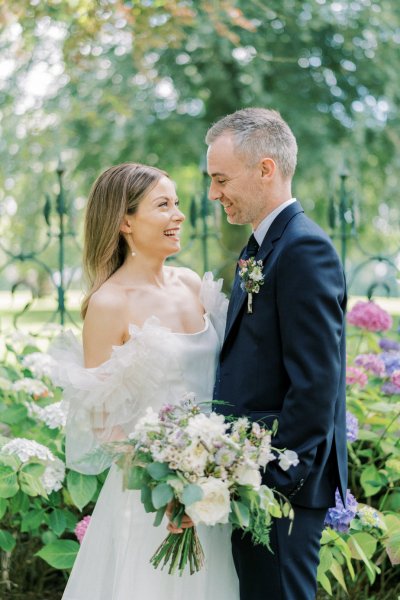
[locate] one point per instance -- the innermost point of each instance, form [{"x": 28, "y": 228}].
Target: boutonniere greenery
[{"x": 250, "y": 272}]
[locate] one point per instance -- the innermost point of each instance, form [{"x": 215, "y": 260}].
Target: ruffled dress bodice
[{"x": 155, "y": 366}]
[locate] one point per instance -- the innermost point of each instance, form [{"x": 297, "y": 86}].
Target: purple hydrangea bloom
[
  {"x": 339, "y": 517},
  {"x": 391, "y": 361},
  {"x": 372, "y": 363},
  {"x": 387, "y": 345},
  {"x": 390, "y": 388},
  {"x": 351, "y": 427}
]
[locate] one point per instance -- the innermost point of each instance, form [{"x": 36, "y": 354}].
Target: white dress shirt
[{"x": 266, "y": 223}]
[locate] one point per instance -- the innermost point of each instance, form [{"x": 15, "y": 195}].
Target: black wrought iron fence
[
  {"x": 205, "y": 245},
  {"x": 368, "y": 271}
]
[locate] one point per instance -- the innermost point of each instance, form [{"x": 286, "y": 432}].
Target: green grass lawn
[{"x": 41, "y": 311}]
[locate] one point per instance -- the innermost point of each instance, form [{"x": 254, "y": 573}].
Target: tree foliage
[{"x": 105, "y": 82}]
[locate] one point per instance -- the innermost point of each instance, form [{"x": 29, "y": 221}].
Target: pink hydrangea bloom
[
  {"x": 371, "y": 362},
  {"x": 81, "y": 528},
  {"x": 370, "y": 316},
  {"x": 357, "y": 376},
  {"x": 395, "y": 378}
]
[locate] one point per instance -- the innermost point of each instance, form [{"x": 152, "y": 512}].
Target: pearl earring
[{"x": 133, "y": 253}]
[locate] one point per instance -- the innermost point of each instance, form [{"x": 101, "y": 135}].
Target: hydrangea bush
[
  {"x": 41, "y": 502},
  {"x": 45, "y": 508},
  {"x": 360, "y": 552}
]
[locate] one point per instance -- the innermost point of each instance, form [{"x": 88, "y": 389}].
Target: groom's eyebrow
[{"x": 218, "y": 175}]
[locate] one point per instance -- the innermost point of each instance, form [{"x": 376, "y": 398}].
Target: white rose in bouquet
[
  {"x": 208, "y": 428},
  {"x": 194, "y": 458},
  {"x": 215, "y": 505},
  {"x": 247, "y": 476}
]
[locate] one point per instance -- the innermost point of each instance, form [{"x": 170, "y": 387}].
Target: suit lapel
[{"x": 273, "y": 234}]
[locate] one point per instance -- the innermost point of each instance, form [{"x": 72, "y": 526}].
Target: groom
[{"x": 286, "y": 359}]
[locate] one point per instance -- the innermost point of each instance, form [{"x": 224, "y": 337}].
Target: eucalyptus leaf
[
  {"x": 191, "y": 493},
  {"x": 161, "y": 495},
  {"x": 158, "y": 470}
]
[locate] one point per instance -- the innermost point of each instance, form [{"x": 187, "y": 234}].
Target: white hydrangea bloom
[
  {"x": 54, "y": 415},
  {"x": 39, "y": 363},
  {"x": 25, "y": 449},
  {"x": 53, "y": 476},
  {"x": 370, "y": 517},
  {"x": 34, "y": 387},
  {"x": 5, "y": 384},
  {"x": 20, "y": 340}
]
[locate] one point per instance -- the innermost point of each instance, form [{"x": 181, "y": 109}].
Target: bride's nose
[{"x": 178, "y": 215}]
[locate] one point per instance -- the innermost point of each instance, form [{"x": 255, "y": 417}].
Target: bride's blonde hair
[{"x": 115, "y": 193}]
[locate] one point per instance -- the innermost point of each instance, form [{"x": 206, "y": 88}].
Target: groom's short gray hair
[{"x": 259, "y": 133}]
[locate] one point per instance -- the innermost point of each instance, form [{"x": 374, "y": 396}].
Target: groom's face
[{"x": 234, "y": 183}]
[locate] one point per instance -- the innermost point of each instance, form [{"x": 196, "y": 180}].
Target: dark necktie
[{"x": 251, "y": 248}]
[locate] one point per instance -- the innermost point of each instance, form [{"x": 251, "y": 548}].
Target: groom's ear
[{"x": 268, "y": 168}]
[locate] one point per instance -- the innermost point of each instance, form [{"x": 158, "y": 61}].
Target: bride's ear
[{"x": 125, "y": 226}]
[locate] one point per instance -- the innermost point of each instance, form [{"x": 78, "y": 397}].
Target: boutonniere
[{"x": 250, "y": 272}]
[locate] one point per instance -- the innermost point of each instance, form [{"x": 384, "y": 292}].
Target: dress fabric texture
[{"x": 155, "y": 366}]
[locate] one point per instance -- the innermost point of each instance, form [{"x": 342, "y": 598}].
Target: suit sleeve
[{"x": 310, "y": 301}]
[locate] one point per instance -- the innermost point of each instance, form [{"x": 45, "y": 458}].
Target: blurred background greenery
[{"x": 98, "y": 82}]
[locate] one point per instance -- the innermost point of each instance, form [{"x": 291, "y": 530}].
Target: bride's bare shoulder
[
  {"x": 109, "y": 297},
  {"x": 188, "y": 277},
  {"x": 105, "y": 323}
]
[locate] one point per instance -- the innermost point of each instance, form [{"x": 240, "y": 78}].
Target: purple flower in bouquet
[
  {"x": 339, "y": 517},
  {"x": 354, "y": 375},
  {"x": 370, "y": 316},
  {"x": 351, "y": 427},
  {"x": 391, "y": 361},
  {"x": 372, "y": 363},
  {"x": 81, "y": 528},
  {"x": 387, "y": 345}
]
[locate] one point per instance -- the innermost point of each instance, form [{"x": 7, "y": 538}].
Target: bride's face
[{"x": 156, "y": 225}]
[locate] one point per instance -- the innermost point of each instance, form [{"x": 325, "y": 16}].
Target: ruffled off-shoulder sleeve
[
  {"x": 215, "y": 303},
  {"x": 103, "y": 403}
]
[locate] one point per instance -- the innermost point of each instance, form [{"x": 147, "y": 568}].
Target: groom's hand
[{"x": 172, "y": 527}]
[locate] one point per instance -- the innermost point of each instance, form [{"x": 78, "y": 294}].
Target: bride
[{"x": 151, "y": 334}]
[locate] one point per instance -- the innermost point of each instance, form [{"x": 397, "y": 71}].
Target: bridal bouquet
[{"x": 205, "y": 467}]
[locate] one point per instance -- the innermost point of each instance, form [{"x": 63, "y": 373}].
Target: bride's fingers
[
  {"x": 187, "y": 522},
  {"x": 173, "y": 528}
]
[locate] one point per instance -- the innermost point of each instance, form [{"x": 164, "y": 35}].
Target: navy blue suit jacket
[{"x": 286, "y": 360}]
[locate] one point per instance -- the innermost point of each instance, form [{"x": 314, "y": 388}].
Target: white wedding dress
[{"x": 155, "y": 366}]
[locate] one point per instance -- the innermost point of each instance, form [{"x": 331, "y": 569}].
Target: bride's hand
[{"x": 186, "y": 521}]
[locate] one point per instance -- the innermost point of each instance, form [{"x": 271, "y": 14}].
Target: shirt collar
[{"x": 266, "y": 223}]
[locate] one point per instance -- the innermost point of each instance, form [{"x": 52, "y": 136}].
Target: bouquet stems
[{"x": 178, "y": 550}]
